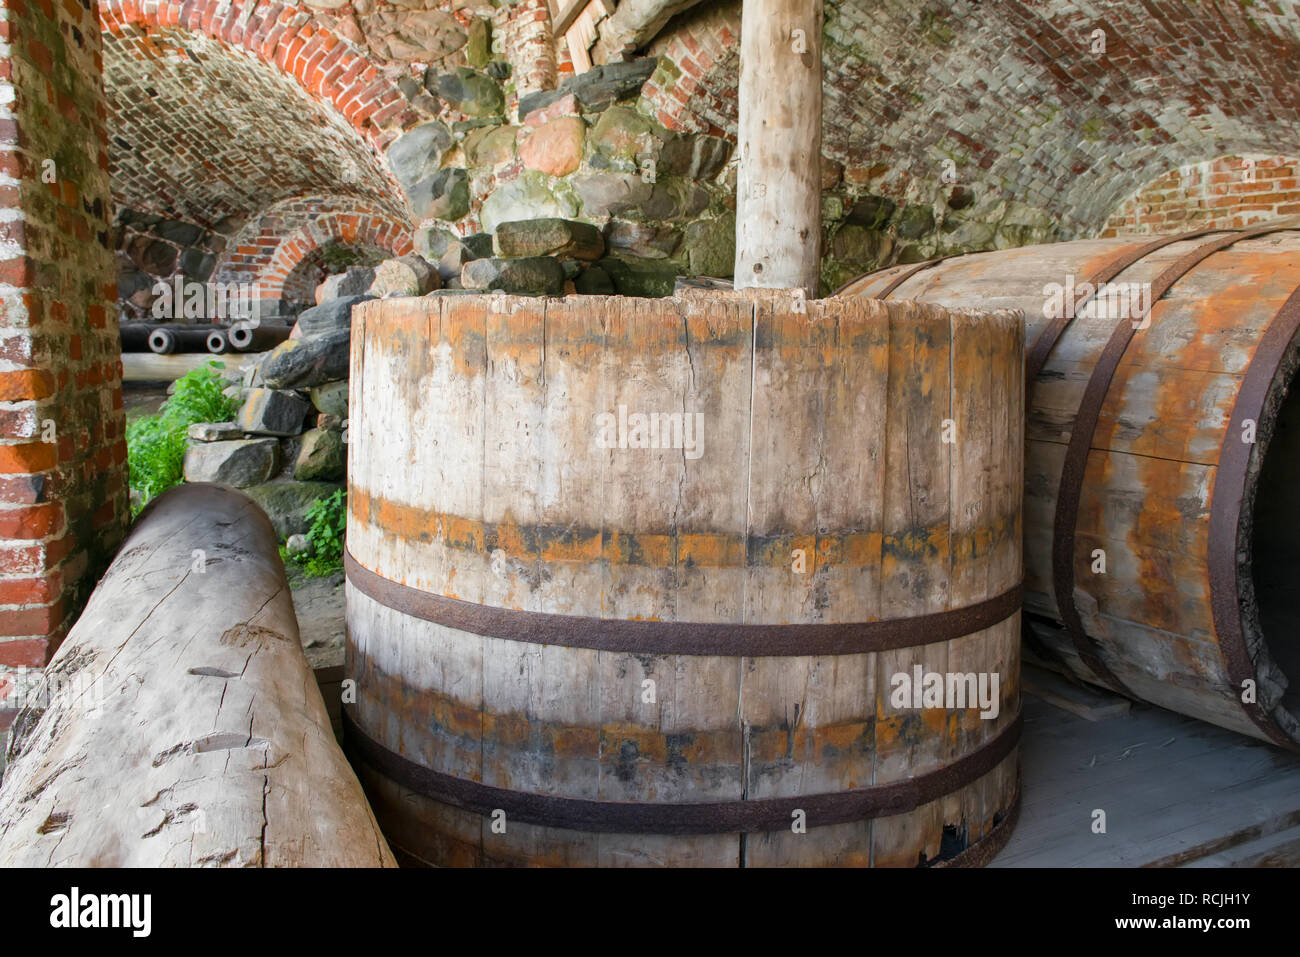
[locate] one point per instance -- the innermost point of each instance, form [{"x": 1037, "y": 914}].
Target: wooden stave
[
  {"x": 1163, "y": 662},
  {"x": 452, "y": 832}
]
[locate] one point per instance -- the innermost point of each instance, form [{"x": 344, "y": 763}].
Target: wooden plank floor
[{"x": 1176, "y": 792}]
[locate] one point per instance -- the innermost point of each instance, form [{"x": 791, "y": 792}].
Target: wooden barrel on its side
[
  {"x": 653, "y": 582},
  {"x": 1162, "y": 516}
]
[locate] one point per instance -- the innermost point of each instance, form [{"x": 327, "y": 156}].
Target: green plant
[
  {"x": 155, "y": 444},
  {"x": 328, "y": 518}
]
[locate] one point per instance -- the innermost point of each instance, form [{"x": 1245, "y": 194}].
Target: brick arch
[
  {"x": 290, "y": 38},
  {"x": 1228, "y": 191},
  {"x": 279, "y": 277}
]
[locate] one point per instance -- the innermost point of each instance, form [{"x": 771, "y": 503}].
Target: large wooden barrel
[
  {"x": 633, "y": 582},
  {"x": 1162, "y": 515}
]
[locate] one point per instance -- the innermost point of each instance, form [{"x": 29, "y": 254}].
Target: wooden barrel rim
[
  {"x": 716, "y": 817},
  {"x": 1070, "y": 489},
  {"x": 899, "y": 280},
  {"x": 718, "y": 639},
  {"x": 1226, "y": 524}
]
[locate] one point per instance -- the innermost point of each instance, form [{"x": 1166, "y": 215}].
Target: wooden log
[
  {"x": 1161, "y": 563},
  {"x": 149, "y": 367},
  {"x": 180, "y": 724},
  {"x": 778, "y": 188},
  {"x": 599, "y": 675}
]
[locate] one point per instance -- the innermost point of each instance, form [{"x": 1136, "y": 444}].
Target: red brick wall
[
  {"x": 63, "y": 504},
  {"x": 1229, "y": 191},
  {"x": 530, "y": 44}
]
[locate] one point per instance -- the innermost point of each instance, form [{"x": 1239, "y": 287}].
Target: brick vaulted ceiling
[
  {"x": 1010, "y": 92},
  {"x": 1014, "y": 95},
  {"x": 201, "y": 131}
]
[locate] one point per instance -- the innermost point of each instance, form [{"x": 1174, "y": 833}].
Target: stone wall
[
  {"x": 63, "y": 497},
  {"x": 153, "y": 249}
]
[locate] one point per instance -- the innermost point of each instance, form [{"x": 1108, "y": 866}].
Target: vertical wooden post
[{"x": 778, "y": 201}]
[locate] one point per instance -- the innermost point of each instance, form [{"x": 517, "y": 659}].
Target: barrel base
[
  {"x": 982, "y": 852},
  {"x": 408, "y": 818}
]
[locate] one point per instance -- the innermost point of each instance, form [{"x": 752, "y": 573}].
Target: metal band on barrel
[
  {"x": 908, "y": 274},
  {"x": 1046, "y": 340},
  {"x": 1225, "y": 510},
  {"x": 683, "y": 637},
  {"x": 720, "y": 817},
  {"x": 1082, "y": 434}
]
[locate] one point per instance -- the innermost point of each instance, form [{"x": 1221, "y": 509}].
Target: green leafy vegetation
[
  {"x": 329, "y": 519},
  {"x": 155, "y": 444}
]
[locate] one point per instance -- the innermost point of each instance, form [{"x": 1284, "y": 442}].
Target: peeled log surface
[
  {"x": 194, "y": 733},
  {"x": 1199, "y": 527},
  {"x": 578, "y": 573},
  {"x": 779, "y": 141},
  {"x": 148, "y": 367}
]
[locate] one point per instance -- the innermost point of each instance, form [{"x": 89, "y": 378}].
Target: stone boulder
[
  {"x": 610, "y": 194},
  {"x": 872, "y": 212},
  {"x": 470, "y": 92},
  {"x": 239, "y": 462},
  {"x": 330, "y": 316},
  {"x": 214, "y": 431},
  {"x": 695, "y": 157},
  {"x": 602, "y": 86},
  {"x": 417, "y": 153},
  {"x": 528, "y": 196},
  {"x": 639, "y": 239},
  {"x": 490, "y": 146},
  {"x": 711, "y": 246},
  {"x": 623, "y": 135},
  {"x": 648, "y": 278},
  {"x": 272, "y": 412},
  {"x": 331, "y": 398},
  {"x": 596, "y": 89},
  {"x": 404, "y": 276},
  {"x": 431, "y": 242},
  {"x": 321, "y": 455},
  {"x": 915, "y": 221},
  {"x": 594, "y": 281},
  {"x": 458, "y": 254},
  {"x": 549, "y": 237},
  {"x": 286, "y": 503},
  {"x": 536, "y": 276},
  {"x": 444, "y": 195},
  {"x": 353, "y": 282},
  {"x": 308, "y": 361},
  {"x": 554, "y": 148}
]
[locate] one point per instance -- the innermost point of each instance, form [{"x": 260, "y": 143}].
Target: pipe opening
[{"x": 1275, "y": 547}]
